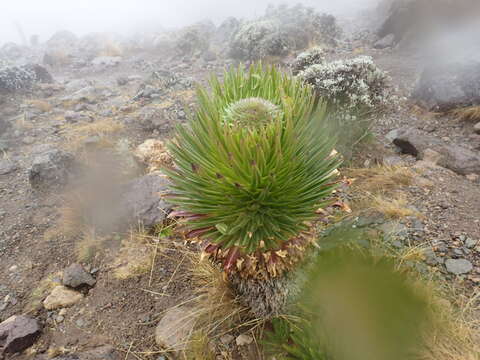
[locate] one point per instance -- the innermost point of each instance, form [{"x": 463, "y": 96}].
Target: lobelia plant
[{"x": 251, "y": 168}]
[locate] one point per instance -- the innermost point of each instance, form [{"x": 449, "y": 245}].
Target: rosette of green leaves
[{"x": 254, "y": 163}]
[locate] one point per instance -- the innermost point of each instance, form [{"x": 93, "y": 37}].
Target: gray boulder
[
  {"x": 143, "y": 202},
  {"x": 51, "y": 169},
  {"x": 385, "y": 42},
  {"x": 458, "y": 266},
  {"x": 454, "y": 157},
  {"x": 449, "y": 86},
  {"x": 18, "y": 333},
  {"x": 75, "y": 276}
]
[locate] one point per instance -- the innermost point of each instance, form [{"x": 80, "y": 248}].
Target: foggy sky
[{"x": 44, "y": 17}]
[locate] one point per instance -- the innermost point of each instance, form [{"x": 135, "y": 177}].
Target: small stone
[
  {"x": 458, "y": 266},
  {"x": 431, "y": 156},
  {"x": 59, "y": 318},
  {"x": 75, "y": 276},
  {"x": 476, "y": 128},
  {"x": 243, "y": 340},
  {"x": 18, "y": 333},
  {"x": 7, "y": 166},
  {"x": 51, "y": 169},
  {"x": 174, "y": 329},
  {"x": 397, "y": 244},
  {"x": 470, "y": 243},
  {"x": 28, "y": 140},
  {"x": 227, "y": 339},
  {"x": 61, "y": 297}
]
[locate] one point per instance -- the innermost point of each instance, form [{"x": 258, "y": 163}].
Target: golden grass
[
  {"x": 136, "y": 255},
  {"x": 74, "y": 214},
  {"x": 89, "y": 245},
  {"x": 471, "y": 114},
  {"x": 379, "y": 189},
  {"x": 69, "y": 104},
  {"x": 104, "y": 129},
  {"x": 199, "y": 347},
  {"x": 393, "y": 208},
  {"x": 423, "y": 113},
  {"x": 454, "y": 334},
  {"x": 43, "y": 288},
  {"x": 111, "y": 49},
  {"x": 380, "y": 178},
  {"x": 214, "y": 295},
  {"x": 41, "y": 105}
]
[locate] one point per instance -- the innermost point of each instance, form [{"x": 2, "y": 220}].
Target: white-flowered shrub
[
  {"x": 306, "y": 25},
  {"x": 354, "y": 86},
  {"x": 195, "y": 38},
  {"x": 313, "y": 56},
  {"x": 357, "y": 93},
  {"x": 281, "y": 30},
  {"x": 14, "y": 78},
  {"x": 252, "y": 40}
]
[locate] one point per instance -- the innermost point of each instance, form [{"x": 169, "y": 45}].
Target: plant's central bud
[{"x": 251, "y": 112}]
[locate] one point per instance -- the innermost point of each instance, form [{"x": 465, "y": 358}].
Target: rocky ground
[{"x": 109, "y": 306}]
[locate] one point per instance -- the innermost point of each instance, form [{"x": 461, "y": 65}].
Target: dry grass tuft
[
  {"x": 89, "y": 245},
  {"x": 471, "y": 114},
  {"x": 393, "y": 208},
  {"x": 380, "y": 178},
  {"x": 453, "y": 334},
  {"x": 424, "y": 113},
  {"x": 40, "y": 105},
  {"x": 200, "y": 347},
  {"x": 111, "y": 49},
  {"x": 74, "y": 214},
  {"x": 214, "y": 296},
  {"x": 104, "y": 129},
  {"x": 136, "y": 255},
  {"x": 378, "y": 189}
]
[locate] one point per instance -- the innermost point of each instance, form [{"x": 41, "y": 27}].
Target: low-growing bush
[
  {"x": 195, "y": 39},
  {"x": 354, "y": 86},
  {"x": 252, "y": 41},
  {"x": 281, "y": 30},
  {"x": 313, "y": 56},
  {"x": 14, "y": 78},
  {"x": 357, "y": 93}
]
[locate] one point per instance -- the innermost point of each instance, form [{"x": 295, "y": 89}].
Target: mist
[{"x": 43, "y": 18}]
